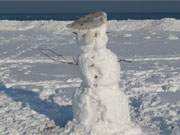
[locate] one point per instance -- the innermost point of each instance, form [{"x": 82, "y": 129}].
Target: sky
[{"x": 84, "y": 6}]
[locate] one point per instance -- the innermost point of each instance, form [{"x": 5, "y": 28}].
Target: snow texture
[
  {"x": 36, "y": 93},
  {"x": 100, "y": 103}
]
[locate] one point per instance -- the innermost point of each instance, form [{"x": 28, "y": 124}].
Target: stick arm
[{"x": 53, "y": 55}]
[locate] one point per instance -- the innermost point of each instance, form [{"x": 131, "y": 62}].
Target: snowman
[{"x": 100, "y": 106}]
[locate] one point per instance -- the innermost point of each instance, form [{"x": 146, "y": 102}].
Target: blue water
[{"x": 72, "y": 16}]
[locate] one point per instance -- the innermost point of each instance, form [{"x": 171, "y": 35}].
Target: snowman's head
[
  {"x": 95, "y": 37},
  {"x": 90, "y": 28}
]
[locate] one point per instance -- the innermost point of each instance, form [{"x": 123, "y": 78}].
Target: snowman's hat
[{"x": 89, "y": 21}]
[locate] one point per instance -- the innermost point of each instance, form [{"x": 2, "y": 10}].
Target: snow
[
  {"x": 166, "y": 24},
  {"x": 173, "y": 37},
  {"x": 31, "y": 82},
  {"x": 100, "y": 70}
]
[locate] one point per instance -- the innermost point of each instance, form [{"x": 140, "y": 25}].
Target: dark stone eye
[
  {"x": 92, "y": 65},
  {"x": 96, "y": 34},
  {"x": 96, "y": 76}
]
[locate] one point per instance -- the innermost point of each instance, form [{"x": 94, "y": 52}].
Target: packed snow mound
[
  {"x": 129, "y": 25},
  {"x": 27, "y": 25},
  {"x": 16, "y": 25},
  {"x": 169, "y": 24},
  {"x": 166, "y": 24}
]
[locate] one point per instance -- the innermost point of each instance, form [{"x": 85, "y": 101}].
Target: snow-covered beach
[{"x": 36, "y": 92}]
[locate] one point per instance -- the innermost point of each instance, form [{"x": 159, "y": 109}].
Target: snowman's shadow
[{"x": 59, "y": 114}]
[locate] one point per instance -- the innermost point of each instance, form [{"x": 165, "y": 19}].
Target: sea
[{"x": 72, "y": 16}]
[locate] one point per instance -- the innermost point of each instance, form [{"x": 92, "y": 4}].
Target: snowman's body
[
  {"x": 98, "y": 64},
  {"x": 100, "y": 107}
]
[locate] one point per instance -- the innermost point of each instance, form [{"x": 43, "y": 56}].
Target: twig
[
  {"x": 54, "y": 52},
  {"x": 64, "y": 59},
  {"x": 57, "y": 55},
  {"x": 124, "y": 60}
]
